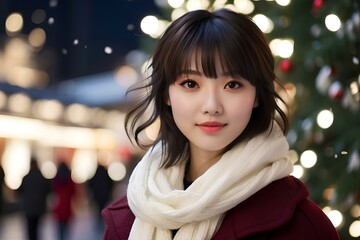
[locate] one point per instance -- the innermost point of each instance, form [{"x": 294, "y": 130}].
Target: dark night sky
[{"x": 95, "y": 24}]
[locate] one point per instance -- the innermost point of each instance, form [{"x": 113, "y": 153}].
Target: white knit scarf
[{"x": 160, "y": 204}]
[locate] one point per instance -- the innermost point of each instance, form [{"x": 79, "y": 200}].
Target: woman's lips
[{"x": 211, "y": 127}]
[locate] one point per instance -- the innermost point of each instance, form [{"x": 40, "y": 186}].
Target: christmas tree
[{"x": 316, "y": 45}]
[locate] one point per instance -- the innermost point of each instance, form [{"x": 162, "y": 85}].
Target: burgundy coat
[{"x": 279, "y": 211}]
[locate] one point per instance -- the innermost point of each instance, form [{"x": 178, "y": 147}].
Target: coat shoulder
[
  {"x": 307, "y": 222},
  {"x": 119, "y": 220},
  {"x": 279, "y": 211},
  {"x": 312, "y": 220}
]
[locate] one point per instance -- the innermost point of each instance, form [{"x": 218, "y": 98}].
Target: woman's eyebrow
[{"x": 190, "y": 71}]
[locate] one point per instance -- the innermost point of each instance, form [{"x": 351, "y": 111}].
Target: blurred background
[{"x": 65, "y": 66}]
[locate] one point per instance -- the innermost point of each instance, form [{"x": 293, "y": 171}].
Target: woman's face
[{"x": 211, "y": 113}]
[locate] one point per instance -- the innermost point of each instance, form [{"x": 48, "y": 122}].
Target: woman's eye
[
  {"x": 189, "y": 84},
  {"x": 233, "y": 85}
]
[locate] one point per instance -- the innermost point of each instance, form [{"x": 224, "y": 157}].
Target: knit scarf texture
[{"x": 160, "y": 204}]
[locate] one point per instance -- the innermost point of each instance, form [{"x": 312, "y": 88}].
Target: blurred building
[{"x": 64, "y": 69}]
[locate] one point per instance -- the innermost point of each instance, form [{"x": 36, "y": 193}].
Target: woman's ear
[
  {"x": 256, "y": 103},
  {"x": 168, "y": 102}
]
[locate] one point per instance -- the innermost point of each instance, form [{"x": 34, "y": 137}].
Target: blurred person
[
  {"x": 64, "y": 191},
  {"x": 100, "y": 187},
  {"x": 34, "y": 191}
]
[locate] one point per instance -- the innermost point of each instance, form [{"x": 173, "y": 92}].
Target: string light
[
  {"x": 264, "y": 23},
  {"x": 283, "y": 2},
  {"x": 325, "y": 119},
  {"x": 149, "y": 24},
  {"x": 192, "y": 5},
  {"x": 335, "y": 217},
  {"x": 298, "y": 171},
  {"x": 244, "y": 6},
  {"x": 175, "y": 3},
  {"x": 282, "y": 47},
  {"x": 354, "y": 229},
  {"x": 332, "y": 22},
  {"x": 308, "y": 159}
]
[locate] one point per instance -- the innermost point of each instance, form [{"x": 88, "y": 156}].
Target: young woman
[{"x": 219, "y": 168}]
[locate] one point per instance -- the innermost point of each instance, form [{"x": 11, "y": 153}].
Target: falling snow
[{"x": 108, "y": 50}]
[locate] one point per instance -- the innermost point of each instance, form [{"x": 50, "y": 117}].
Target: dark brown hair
[{"x": 243, "y": 51}]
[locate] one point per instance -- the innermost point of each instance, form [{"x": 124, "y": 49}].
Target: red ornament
[
  {"x": 336, "y": 90},
  {"x": 317, "y": 5},
  {"x": 286, "y": 65}
]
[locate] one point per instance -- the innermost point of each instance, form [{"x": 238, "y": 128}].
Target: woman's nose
[{"x": 212, "y": 103}]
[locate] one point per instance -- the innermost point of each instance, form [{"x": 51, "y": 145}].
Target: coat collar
[{"x": 269, "y": 208}]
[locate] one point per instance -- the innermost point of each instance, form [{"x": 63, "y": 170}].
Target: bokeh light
[
  {"x": 37, "y": 37},
  {"x": 19, "y": 103},
  {"x": 117, "y": 171},
  {"x": 38, "y": 16},
  {"x": 335, "y": 216},
  {"x": 83, "y": 165},
  {"x": 264, "y": 23},
  {"x": 175, "y": 3},
  {"x": 332, "y": 22},
  {"x": 77, "y": 113},
  {"x": 354, "y": 229},
  {"x": 283, "y": 2},
  {"x": 298, "y": 171},
  {"x": 308, "y": 159},
  {"x": 48, "y": 169},
  {"x": 282, "y": 47},
  {"x": 177, "y": 13},
  {"x": 48, "y": 109},
  {"x": 192, "y": 5},
  {"x": 244, "y": 6},
  {"x": 325, "y": 119},
  {"x": 15, "y": 162},
  {"x": 149, "y": 24},
  {"x": 14, "y": 23}
]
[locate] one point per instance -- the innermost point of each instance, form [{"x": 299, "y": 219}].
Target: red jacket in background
[
  {"x": 279, "y": 211},
  {"x": 64, "y": 193}
]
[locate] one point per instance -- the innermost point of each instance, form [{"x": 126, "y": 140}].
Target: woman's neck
[{"x": 200, "y": 162}]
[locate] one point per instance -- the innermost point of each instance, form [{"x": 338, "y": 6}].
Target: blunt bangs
[{"x": 205, "y": 40}]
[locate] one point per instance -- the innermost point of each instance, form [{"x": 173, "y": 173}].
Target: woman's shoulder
[
  {"x": 282, "y": 210},
  {"x": 310, "y": 216},
  {"x": 118, "y": 218}
]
